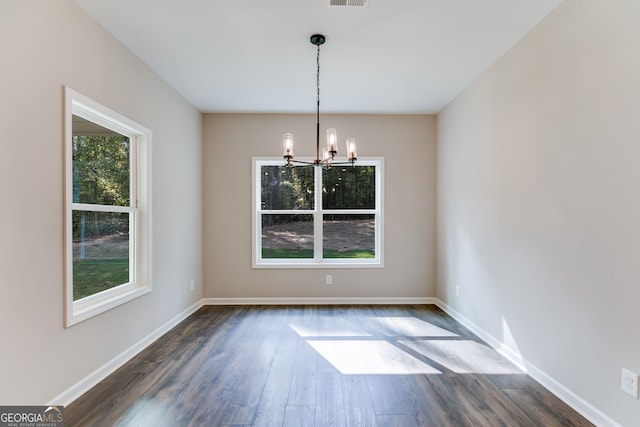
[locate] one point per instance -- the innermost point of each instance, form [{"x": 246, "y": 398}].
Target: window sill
[
  {"x": 93, "y": 305},
  {"x": 312, "y": 264}
]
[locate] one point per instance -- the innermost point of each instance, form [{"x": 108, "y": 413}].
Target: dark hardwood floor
[{"x": 319, "y": 366}]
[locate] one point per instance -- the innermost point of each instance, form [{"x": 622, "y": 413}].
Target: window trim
[
  {"x": 139, "y": 209},
  {"x": 318, "y": 261}
]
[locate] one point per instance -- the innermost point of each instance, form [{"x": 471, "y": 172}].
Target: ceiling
[{"x": 392, "y": 56}]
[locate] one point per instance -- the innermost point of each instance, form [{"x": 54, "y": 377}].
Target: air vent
[{"x": 348, "y": 3}]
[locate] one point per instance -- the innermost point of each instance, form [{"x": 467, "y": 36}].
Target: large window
[
  {"x": 316, "y": 216},
  {"x": 107, "y": 215}
]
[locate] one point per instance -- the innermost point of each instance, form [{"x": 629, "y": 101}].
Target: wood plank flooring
[{"x": 319, "y": 366}]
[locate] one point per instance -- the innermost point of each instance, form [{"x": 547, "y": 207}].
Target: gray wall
[
  {"x": 407, "y": 144},
  {"x": 44, "y": 46},
  {"x": 539, "y": 200}
]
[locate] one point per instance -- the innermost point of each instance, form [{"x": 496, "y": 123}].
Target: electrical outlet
[
  {"x": 193, "y": 284},
  {"x": 630, "y": 382},
  {"x": 329, "y": 279},
  {"x": 457, "y": 291}
]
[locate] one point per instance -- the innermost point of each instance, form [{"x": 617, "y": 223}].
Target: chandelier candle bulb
[
  {"x": 287, "y": 139},
  {"x": 332, "y": 138},
  {"x": 351, "y": 149}
]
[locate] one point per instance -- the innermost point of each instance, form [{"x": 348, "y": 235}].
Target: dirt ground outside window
[{"x": 338, "y": 235}]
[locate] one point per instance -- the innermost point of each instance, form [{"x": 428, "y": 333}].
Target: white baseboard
[
  {"x": 84, "y": 385},
  {"x": 507, "y": 352},
  {"x": 583, "y": 407},
  {"x": 320, "y": 301}
]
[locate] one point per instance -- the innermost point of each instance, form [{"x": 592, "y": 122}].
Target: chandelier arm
[
  {"x": 292, "y": 161},
  {"x": 342, "y": 163},
  {"x": 326, "y": 162}
]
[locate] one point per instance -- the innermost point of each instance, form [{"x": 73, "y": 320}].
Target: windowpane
[
  {"x": 349, "y": 236},
  {"x": 287, "y": 236},
  {"x": 313, "y": 216},
  {"x": 287, "y": 187},
  {"x": 101, "y": 167},
  {"x": 350, "y": 187},
  {"x": 100, "y": 251}
]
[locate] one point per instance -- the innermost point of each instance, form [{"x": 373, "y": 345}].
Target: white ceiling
[{"x": 394, "y": 56}]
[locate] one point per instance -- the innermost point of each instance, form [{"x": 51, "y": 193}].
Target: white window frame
[
  {"x": 317, "y": 212},
  {"x": 139, "y": 209}
]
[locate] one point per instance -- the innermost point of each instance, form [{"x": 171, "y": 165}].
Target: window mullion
[
  {"x": 317, "y": 218},
  {"x": 349, "y": 211},
  {"x": 286, "y": 211},
  {"x": 102, "y": 208}
]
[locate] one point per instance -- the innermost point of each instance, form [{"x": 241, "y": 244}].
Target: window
[
  {"x": 311, "y": 216},
  {"x": 107, "y": 209}
]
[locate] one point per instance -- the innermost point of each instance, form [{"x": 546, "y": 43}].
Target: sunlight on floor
[
  {"x": 352, "y": 357},
  {"x": 407, "y": 327},
  {"x": 326, "y": 328},
  {"x": 398, "y": 345},
  {"x": 463, "y": 357},
  {"x": 146, "y": 411}
]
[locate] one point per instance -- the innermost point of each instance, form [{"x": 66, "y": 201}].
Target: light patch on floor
[
  {"x": 463, "y": 357},
  {"x": 408, "y": 327},
  {"x": 361, "y": 357},
  {"x": 328, "y": 328}
]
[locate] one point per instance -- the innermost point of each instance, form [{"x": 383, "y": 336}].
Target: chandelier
[{"x": 329, "y": 153}]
